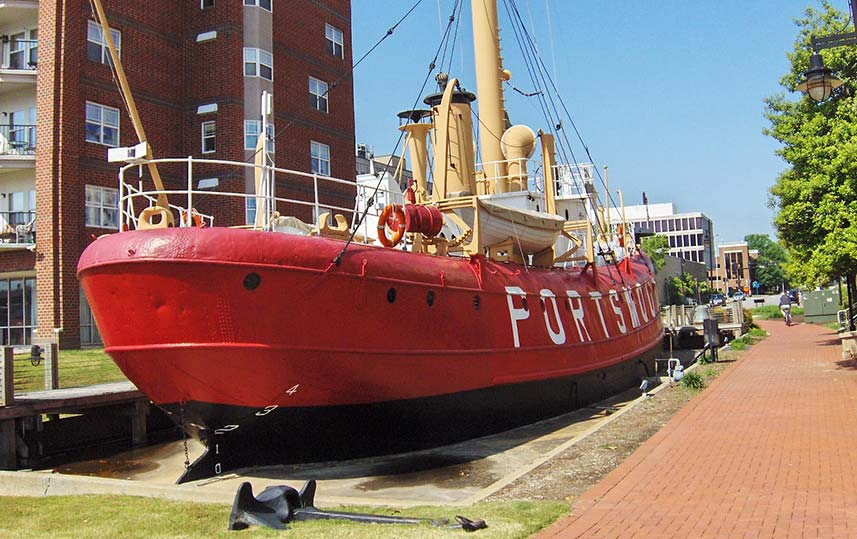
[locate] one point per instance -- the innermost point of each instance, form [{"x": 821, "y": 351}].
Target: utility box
[{"x": 821, "y": 306}]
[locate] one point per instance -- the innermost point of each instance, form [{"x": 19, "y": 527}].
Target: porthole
[
  {"x": 391, "y": 295},
  {"x": 430, "y": 298},
  {"x": 252, "y": 281},
  {"x": 476, "y": 302}
]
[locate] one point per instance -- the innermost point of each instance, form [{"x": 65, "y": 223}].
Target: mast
[
  {"x": 132, "y": 106},
  {"x": 489, "y": 83}
]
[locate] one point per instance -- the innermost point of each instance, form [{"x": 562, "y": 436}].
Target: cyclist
[{"x": 786, "y": 307}]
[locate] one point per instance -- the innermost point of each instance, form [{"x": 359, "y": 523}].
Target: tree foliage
[
  {"x": 657, "y": 247},
  {"x": 769, "y": 269},
  {"x": 816, "y": 197}
]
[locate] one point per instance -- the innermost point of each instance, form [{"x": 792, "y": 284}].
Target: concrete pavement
[{"x": 769, "y": 450}]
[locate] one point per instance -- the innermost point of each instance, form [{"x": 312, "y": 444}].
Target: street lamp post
[{"x": 819, "y": 81}]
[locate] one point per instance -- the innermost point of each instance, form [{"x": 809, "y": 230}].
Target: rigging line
[
  {"x": 338, "y": 259},
  {"x": 455, "y": 34},
  {"x": 232, "y": 174},
  {"x": 550, "y": 36},
  {"x": 545, "y": 78},
  {"x": 565, "y": 109},
  {"x": 543, "y": 75}
]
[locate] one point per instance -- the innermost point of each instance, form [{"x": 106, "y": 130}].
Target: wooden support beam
[
  {"x": 8, "y": 456},
  {"x": 52, "y": 377}
]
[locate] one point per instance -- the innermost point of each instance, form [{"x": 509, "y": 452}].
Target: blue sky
[{"x": 669, "y": 94}]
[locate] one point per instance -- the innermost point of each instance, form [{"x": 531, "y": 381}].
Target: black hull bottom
[{"x": 238, "y": 437}]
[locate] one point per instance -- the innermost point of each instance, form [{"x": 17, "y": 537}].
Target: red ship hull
[{"x": 266, "y": 349}]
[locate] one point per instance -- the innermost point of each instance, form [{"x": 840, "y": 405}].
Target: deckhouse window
[
  {"x": 102, "y": 124},
  {"x": 318, "y": 94},
  {"x": 102, "y": 207},
  {"x": 264, "y": 4},
  {"x": 258, "y": 63},
  {"x": 320, "y": 156},
  {"x": 334, "y": 40},
  {"x": 96, "y": 46},
  {"x": 208, "y": 137}
]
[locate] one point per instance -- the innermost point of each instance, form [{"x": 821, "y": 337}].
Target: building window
[
  {"x": 208, "y": 137},
  {"x": 17, "y": 311},
  {"x": 318, "y": 94},
  {"x": 203, "y": 4},
  {"x": 102, "y": 207},
  {"x": 251, "y": 134},
  {"x": 334, "y": 40},
  {"x": 96, "y": 46},
  {"x": 258, "y": 63},
  {"x": 320, "y": 155},
  {"x": 89, "y": 333},
  {"x": 102, "y": 124},
  {"x": 264, "y": 4}
]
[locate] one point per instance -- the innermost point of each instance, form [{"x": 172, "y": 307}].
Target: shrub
[
  {"x": 758, "y": 332},
  {"x": 738, "y": 344},
  {"x": 693, "y": 380}
]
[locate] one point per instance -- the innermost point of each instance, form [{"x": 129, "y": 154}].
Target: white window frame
[
  {"x": 257, "y": 59},
  {"x": 318, "y": 91},
  {"x": 261, "y": 4},
  {"x": 208, "y": 137},
  {"x": 98, "y": 39},
  {"x": 203, "y": 6},
  {"x": 94, "y": 200},
  {"x": 319, "y": 158},
  {"x": 250, "y": 210},
  {"x": 252, "y": 128},
  {"x": 101, "y": 123},
  {"x": 334, "y": 36}
]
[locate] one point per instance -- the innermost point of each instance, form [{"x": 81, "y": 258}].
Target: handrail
[{"x": 129, "y": 193}]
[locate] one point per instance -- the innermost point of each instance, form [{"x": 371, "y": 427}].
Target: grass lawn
[
  {"x": 126, "y": 517},
  {"x": 76, "y": 368},
  {"x": 772, "y": 311}
]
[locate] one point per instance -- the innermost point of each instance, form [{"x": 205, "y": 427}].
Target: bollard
[
  {"x": 7, "y": 377},
  {"x": 711, "y": 332},
  {"x": 52, "y": 378}
]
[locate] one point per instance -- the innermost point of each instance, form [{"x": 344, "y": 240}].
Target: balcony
[
  {"x": 20, "y": 69},
  {"x": 17, "y": 230},
  {"x": 17, "y": 146}
]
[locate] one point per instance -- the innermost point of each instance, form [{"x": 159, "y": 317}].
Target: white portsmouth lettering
[
  {"x": 558, "y": 336},
  {"x": 644, "y": 311},
  {"x": 632, "y": 307},
  {"x": 617, "y": 308},
  {"x": 596, "y": 297},
  {"x": 578, "y": 313},
  {"x": 515, "y": 313}
]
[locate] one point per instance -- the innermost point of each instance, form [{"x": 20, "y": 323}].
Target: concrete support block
[
  {"x": 849, "y": 345},
  {"x": 138, "y": 422}
]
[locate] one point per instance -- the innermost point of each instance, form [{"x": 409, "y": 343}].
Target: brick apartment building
[{"x": 197, "y": 69}]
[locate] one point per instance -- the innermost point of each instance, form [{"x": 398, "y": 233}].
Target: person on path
[{"x": 786, "y": 307}]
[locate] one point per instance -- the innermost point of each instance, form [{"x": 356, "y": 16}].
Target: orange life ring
[
  {"x": 192, "y": 215},
  {"x": 392, "y": 217}
]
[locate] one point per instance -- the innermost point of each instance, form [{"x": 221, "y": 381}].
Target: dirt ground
[{"x": 581, "y": 466}]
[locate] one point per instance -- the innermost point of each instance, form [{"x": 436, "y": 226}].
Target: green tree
[
  {"x": 769, "y": 264},
  {"x": 816, "y": 197},
  {"x": 657, "y": 248}
]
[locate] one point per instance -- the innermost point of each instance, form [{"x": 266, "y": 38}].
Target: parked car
[
  {"x": 739, "y": 296},
  {"x": 717, "y": 299}
]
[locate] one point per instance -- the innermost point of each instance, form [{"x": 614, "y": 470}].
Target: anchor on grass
[{"x": 278, "y": 505}]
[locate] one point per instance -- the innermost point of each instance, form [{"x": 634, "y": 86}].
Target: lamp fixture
[{"x": 819, "y": 81}]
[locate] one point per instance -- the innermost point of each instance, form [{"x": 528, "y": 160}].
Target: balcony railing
[
  {"x": 22, "y": 53},
  {"x": 17, "y": 139},
  {"x": 17, "y": 228}
]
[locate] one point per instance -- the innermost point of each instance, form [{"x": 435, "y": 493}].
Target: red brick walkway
[{"x": 769, "y": 450}]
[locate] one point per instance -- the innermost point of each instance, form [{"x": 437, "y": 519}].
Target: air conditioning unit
[{"x": 131, "y": 154}]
